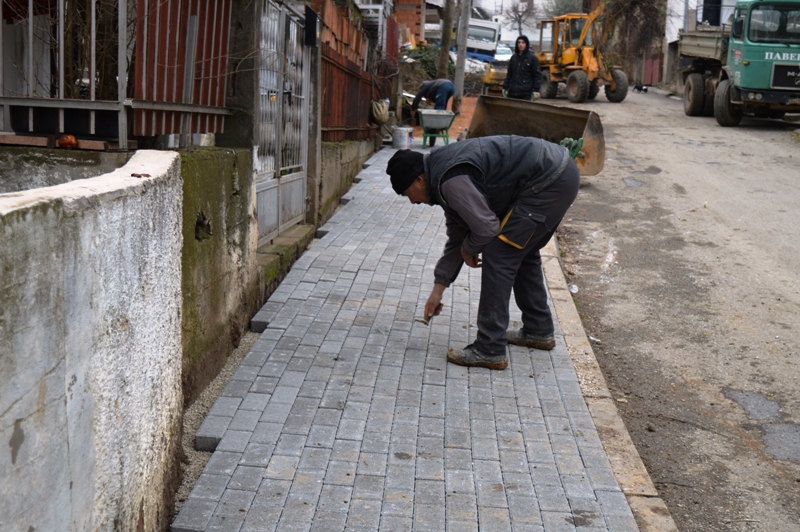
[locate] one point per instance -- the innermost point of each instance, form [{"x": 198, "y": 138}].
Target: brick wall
[{"x": 409, "y": 12}]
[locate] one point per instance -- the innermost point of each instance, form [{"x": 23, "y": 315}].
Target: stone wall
[
  {"x": 90, "y": 350},
  {"x": 222, "y": 288}
]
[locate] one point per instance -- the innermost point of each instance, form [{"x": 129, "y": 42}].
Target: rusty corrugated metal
[{"x": 162, "y": 34}]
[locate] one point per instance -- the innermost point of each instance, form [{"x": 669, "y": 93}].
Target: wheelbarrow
[
  {"x": 435, "y": 124},
  {"x": 505, "y": 116}
]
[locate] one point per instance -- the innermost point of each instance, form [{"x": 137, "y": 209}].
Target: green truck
[{"x": 748, "y": 65}]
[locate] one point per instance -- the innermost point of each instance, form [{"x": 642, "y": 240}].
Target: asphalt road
[{"x": 686, "y": 257}]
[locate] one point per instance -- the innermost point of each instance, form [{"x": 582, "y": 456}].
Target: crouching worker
[{"x": 503, "y": 198}]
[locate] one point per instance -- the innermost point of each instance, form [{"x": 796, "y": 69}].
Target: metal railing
[{"x": 68, "y": 64}]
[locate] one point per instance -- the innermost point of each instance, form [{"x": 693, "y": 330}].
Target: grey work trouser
[{"x": 505, "y": 266}]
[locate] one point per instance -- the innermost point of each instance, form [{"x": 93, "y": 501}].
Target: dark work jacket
[
  {"x": 524, "y": 75},
  {"x": 508, "y": 168}
]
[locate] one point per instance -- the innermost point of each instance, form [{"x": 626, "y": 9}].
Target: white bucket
[{"x": 401, "y": 137}]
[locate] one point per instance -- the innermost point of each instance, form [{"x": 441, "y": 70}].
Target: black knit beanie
[{"x": 403, "y": 169}]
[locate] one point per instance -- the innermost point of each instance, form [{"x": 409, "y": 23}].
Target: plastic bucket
[{"x": 401, "y": 137}]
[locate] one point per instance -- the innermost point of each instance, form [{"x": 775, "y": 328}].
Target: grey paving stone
[
  {"x": 223, "y": 463},
  {"x": 261, "y": 517},
  {"x": 325, "y": 521},
  {"x": 314, "y": 458},
  {"x": 587, "y": 513},
  {"x": 368, "y": 487},
  {"x": 254, "y": 401},
  {"x": 462, "y": 526},
  {"x": 236, "y": 389},
  {"x": 364, "y": 513},
  {"x": 613, "y": 504},
  {"x": 557, "y": 521},
  {"x": 234, "y": 503},
  {"x": 273, "y": 492},
  {"x": 282, "y": 467},
  {"x": 246, "y": 478},
  {"x": 372, "y": 464},
  {"x": 210, "y": 487},
  {"x": 194, "y": 515},
  {"x": 234, "y": 441},
  {"x": 395, "y": 523},
  {"x": 602, "y": 478},
  {"x": 266, "y": 432},
  {"x": 341, "y": 473},
  {"x": 346, "y": 450},
  {"x": 290, "y": 444},
  {"x": 245, "y": 420},
  {"x": 257, "y": 454},
  {"x": 495, "y": 519},
  {"x": 211, "y": 432},
  {"x": 429, "y": 518}
]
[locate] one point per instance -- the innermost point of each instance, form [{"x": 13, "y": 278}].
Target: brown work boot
[
  {"x": 471, "y": 357},
  {"x": 520, "y": 337}
]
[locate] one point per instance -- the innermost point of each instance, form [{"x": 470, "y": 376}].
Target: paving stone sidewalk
[{"x": 345, "y": 415}]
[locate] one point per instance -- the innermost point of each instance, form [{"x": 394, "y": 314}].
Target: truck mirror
[{"x": 738, "y": 28}]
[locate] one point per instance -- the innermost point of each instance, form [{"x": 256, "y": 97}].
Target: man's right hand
[{"x": 434, "y": 304}]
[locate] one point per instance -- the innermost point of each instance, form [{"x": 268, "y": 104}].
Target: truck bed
[{"x": 704, "y": 44}]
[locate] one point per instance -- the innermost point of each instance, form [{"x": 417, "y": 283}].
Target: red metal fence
[
  {"x": 347, "y": 93},
  {"x": 181, "y": 48}
]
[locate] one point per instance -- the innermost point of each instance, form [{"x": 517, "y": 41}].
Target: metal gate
[{"x": 282, "y": 119}]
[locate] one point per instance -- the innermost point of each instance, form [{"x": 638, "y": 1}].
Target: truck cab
[{"x": 754, "y": 67}]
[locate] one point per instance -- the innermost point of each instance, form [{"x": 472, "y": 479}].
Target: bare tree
[
  {"x": 519, "y": 13},
  {"x": 556, "y": 8},
  {"x": 443, "y": 68}
]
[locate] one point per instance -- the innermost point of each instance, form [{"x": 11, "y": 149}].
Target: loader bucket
[{"x": 505, "y": 116}]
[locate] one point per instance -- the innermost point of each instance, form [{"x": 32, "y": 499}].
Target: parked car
[{"x": 503, "y": 54}]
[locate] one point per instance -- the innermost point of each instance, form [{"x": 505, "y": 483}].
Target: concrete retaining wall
[
  {"x": 26, "y": 168},
  {"x": 341, "y": 162},
  {"x": 90, "y": 352},
  {"x": 222, "y": 289}
]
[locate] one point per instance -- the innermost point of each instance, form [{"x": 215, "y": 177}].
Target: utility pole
[
  {"x": 443, "y": 69},
  {"x": 461, "y": 42}
]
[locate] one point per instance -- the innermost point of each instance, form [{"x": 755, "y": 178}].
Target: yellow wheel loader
[{"x": 568, "y": 54}]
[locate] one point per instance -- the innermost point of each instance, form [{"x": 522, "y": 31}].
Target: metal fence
[
  {"x": 346, "y": 92},
  {"x": 64, "y": 66},
  {"x": 283, "y": 116}
]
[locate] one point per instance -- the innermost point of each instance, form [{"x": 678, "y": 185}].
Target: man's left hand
[{"x": 473, "y": 261}]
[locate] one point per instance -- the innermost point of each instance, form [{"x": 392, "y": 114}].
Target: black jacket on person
[{"x": 524, "y": 75}]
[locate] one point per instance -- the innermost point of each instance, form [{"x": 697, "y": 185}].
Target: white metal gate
[{"x": 282, "y": 152}]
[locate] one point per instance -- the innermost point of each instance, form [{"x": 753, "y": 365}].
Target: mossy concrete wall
[
  {"x": 222, "y": 288},
  {"x": 26, "y": 168},
  {"x": 90, "y": 352},
  {"x": 341, "y": 162}
]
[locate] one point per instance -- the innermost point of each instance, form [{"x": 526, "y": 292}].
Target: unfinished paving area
[{"x": 345, "y": 415}]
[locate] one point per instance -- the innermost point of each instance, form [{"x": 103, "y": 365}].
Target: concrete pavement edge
[{"x": 648, "y": 508}]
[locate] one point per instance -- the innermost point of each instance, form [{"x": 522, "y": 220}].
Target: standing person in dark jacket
[
  {"x": 503, "y": 198},
  {"x": 524, "y": 76}
]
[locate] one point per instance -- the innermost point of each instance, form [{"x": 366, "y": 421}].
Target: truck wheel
[
  {"x": 694, "y": 95},
  {"x": 578, "y": 86},
  {"x": 621, "y": 81},
  {"x": 725, "y": 112},
  {"x": 594, "y": 90},
  {"x": 549, "y": 89}
]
